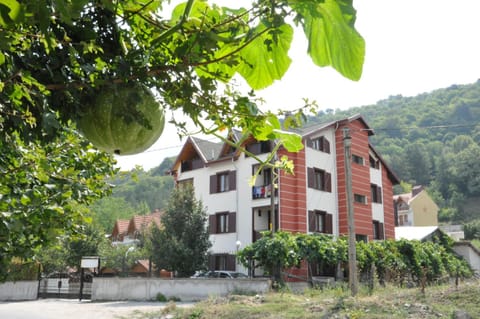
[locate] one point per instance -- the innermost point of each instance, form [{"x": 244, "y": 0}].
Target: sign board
[{"x": 90, "y": 262}]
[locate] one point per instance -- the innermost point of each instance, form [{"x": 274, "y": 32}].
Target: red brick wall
[
  {"x": 293, "y": 195},
  {"x": 360, "y": 180},
  {"x": 388, "y": 210}
]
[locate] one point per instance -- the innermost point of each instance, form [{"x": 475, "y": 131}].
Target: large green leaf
[
  {"x": 10, "y": 12},
  {"x": 332, "y": 39},
  {"x": 266, "y": 56}
]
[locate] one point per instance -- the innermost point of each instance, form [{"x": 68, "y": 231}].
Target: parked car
[{"x": 226, "y": 274}]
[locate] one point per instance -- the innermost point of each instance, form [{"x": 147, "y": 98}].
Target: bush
[{"x": 161, "y": 297}]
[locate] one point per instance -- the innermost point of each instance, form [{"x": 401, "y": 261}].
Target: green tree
[
  {"x": 86, "y": 243},
  {"x": 42, "y": 190},
  {"x": 108, "y": 210},
  {"x": 120, "y": 258},
  {"x": 57, "y": 56},
  {"x": 277, "y": 252},
  {"x": 182, "y": 243}
]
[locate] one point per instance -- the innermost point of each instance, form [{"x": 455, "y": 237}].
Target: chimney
[{"x": 416, "y": 189}]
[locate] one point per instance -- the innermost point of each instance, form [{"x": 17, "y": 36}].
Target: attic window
[
  {"x": 374, "y": 163},
  {"x": 320, "y": 144},
  {"x": 259, "y": 147}
]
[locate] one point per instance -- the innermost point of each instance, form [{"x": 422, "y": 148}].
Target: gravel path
[{"x": 74, "y": 309}]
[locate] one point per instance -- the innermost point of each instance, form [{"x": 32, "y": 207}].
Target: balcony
[
  {"x": 259, "y": 192},
  {"x": 191, "y": 165}
]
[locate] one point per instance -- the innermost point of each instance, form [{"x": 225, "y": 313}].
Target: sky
[{"x": 412, "y": 47}]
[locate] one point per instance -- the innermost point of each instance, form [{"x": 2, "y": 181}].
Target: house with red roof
[{"x": 128, "y": 231}]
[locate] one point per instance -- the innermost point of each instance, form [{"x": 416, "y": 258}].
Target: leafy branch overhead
[
  {"x": 57, "y": 55},
  {"x": 63, "y": 64}
]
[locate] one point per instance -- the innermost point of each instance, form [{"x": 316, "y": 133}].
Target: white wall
[
  {"x": 377, "y": 208},
  {"x": 320, "y": 200},
  {"x": 471, "y": 255},
  {"x": 19, "y": 290},
  {"x": 186, "y": 289},
  {"x": 238, "y": 201}
]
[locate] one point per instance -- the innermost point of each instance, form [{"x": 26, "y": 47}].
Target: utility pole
[{"x": 352, "y": 250}]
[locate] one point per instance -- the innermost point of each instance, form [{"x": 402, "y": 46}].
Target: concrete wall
[
  {"x": 186, "y": 289},
  {"x": 469, "y": 253},
  {"x": 19, "y": 290}
]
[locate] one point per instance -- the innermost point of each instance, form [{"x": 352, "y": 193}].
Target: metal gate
[{"x": 66, "y": 286}]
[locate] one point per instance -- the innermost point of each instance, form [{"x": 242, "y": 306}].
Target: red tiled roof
[
  {"x": 140, "y": 222},
  {"x": 120, "y": 227}
]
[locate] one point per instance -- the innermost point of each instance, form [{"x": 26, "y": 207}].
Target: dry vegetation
[{"x": 445, "y": 301}]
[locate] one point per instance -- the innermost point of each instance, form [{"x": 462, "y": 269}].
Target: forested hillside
[
  {"x": 136, "y": 192},
  {"x": 431, "y": 139}
]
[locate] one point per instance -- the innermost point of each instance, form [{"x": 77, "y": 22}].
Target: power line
[
  {"x": 411, "y": 128},
  {"x": 407, "y": 128}
]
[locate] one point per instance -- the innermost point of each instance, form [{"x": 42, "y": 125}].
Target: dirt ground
[{"x": 74, "y": 309}]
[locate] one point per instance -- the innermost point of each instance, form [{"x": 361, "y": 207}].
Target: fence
[{"x": 19, "y": 290}]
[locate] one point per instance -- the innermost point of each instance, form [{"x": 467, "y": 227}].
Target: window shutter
[
  {"x": 232, "y": 222},
  {"x": 328, "y": 182},
  {"x": 230, "y": 262},
  {"x": 311, "y": 221},
  {"x": 232, "y": 182},
  {"x": 309, "y": 142},
  {"x": 213, "y": 184},
  {"x": 326, "y": 145},
  {"x": 379, "y": 194},
  {"x": 212, "y": 224},
  {"x": 328, "y": 224},
  {"x": 381, "y": 235},
  {"x": 310, "y": 177}
]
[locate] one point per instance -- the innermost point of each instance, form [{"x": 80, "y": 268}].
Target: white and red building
[{"x": 312, "y": 200}]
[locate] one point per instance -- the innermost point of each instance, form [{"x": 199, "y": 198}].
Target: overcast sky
[{"x": 412, "y": 47}]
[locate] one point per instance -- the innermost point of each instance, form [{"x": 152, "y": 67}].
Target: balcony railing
[{"x": 262, "y": 191}]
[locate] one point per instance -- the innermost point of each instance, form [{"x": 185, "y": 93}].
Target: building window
[
  {"x": 320, "y": 144},
  {"x": 378, "y": 230},
  {"x": 221, "y": 223},
  {"x": 361, "y": 237},
  {"x": 222, "y": 262},
  {"x": 259, "y": 148},
  {"x": 223, "y": 182},
  {"x": 320, "y": 222},
  {"x": 185, "y": 183},
  {"x": 319, "y": 179},
  {"x": 376, "y": 193},
  {"x": 357, "y": 159},
  {"x": 374, "y": 163},
  {"x": 362, "y": 199}
]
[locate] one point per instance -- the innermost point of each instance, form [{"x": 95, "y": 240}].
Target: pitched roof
[
  {"x": 140, "y": 222},
  {"x": 120, "y": 227},
  {"x": 209, "y": 151}
]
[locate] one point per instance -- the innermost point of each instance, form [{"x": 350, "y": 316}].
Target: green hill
[{"x": 430, "y": 139}]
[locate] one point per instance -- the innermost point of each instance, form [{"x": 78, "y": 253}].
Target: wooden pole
[{"x": 352, "y": 251}]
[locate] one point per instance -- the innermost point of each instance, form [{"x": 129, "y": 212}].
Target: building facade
[
  {"x": 312, "y": 200},
  {"x": 416, "y": 208}
]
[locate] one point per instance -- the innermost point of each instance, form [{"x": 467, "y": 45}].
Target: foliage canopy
[{"x": 56, "y": 56}]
